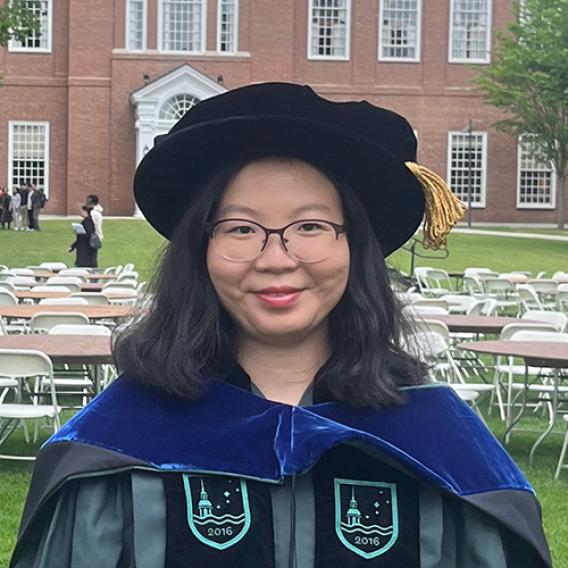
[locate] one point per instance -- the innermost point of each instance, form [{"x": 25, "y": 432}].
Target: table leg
[
  {"x": 514, "y": 422},
  {"x": 552, "y": 419}
]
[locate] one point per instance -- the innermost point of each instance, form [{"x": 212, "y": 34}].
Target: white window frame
[
  {"x": 520, "y": 204},
  {"x": 482, "y": 198},
  {"x": 415, "y": 59},
  {"x": 235, "y": 46},
  {"x": 160, "y": 19},
  {"x": 347, "y": 37},
  {"x": 144, "y": 26},
  {"x": 14, "y": 45},
  {"x": 11, "y": 124},
  {"x": 487, "y": 58}
]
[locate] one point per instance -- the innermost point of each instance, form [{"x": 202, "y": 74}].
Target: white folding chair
[
  {"x": 80, "y": 272},
  {"x": 507, "y": 369},
  {"x": 530, "y": 300},
  {"x": 23, "y": 364},
  {"x": 458, "y": 303},
  {"x": 23, "y": 272},
  {"x": 414, "y": 312},
  {"x": 561, "y": 298},
  {"x": 558, "y": 319},
  {"x": 425, "y": 302},
  {"x": 53, "y": 266},
  {"x": 561, "y": 464},
  {"x": 51, "y": 288},
  {"x": 72, "y": 282},
  {"x": 8, "y": 286},
  {"x": 64, "y": 301},
  {"x": 22, "y": 282},
  {"x": 42, "y": 322},
  {"x": 96, "y": 298},
  {"x": 474, "y": 287},
  {"x": 76, "y": 380},
  {"x": 504, "y": 292},
  {"x": 485, "y": 307},
  {"x": 7, "y": 298},
  {"x": 128, "y": 296},
  {"x": 545, "y": 389}
]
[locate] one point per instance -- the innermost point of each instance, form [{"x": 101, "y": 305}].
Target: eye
[
  {"x": 311, "y": 227},
  {"x": 242, "y": 230}
]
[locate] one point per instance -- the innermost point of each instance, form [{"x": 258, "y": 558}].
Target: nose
[{"x": 274, "y": 256}]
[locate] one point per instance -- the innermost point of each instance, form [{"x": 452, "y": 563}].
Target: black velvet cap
[{"x": 364, "y": 145}]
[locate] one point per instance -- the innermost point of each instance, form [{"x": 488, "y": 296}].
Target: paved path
[{"x": 511, "y": 235}]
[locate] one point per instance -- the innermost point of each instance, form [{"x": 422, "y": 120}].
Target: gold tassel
[{"x": 443, "y": 208}]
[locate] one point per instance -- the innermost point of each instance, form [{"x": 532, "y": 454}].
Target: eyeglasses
[{"x": 307, "y": 240}]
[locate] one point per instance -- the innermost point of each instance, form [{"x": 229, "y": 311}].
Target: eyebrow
[{"x": 248, "y": 210}]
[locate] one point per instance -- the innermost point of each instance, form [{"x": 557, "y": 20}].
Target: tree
[
  {"x": 529, "y": 80},
  {"x": 18, "y": 20}
]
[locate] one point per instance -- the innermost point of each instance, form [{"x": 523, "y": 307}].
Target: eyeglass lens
[{"x": 309, "y": 241}]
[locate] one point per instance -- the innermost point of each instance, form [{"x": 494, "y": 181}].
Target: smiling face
[{"x": 276, "y": 297}]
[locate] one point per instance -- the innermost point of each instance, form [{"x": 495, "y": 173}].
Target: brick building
[{"x": 81, "y": 103}]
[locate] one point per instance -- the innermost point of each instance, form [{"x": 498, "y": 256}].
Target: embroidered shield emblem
[
  {"x": 366, "y": 516},
  {"x": 218, "y": 510}
]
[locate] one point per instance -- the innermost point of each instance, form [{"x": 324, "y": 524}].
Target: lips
[{"x": 278, "y": 296}]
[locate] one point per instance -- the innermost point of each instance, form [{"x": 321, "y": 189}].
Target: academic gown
[{"x": 142, "y": 479}]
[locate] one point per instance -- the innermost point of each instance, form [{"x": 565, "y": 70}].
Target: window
[
  {"x": 28, "y": 154},
  {"x": 328, "y": 32},
  {"x": 227, "y": 25},
  {"x": 177, "y": 106},
  {"x": 182, "y": 25},
  {"x": 39, "y": 41},
  {"x": 535, "y": 176},
  {"x": 470, "y": 31},
  {"x": 399, "y": 30},
  {"x": 136, "y": 25},
  {"x": 467, "y": 161}
]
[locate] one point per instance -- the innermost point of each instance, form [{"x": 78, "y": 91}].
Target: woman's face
[{"x": 275, "y": 193}]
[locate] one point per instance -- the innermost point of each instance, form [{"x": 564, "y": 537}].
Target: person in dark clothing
[
  {"x": 85, "y": 254},
  {"x": 6, "y": 214},
  {"x": 38, "y": 200}
]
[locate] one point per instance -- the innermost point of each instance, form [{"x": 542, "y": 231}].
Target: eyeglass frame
[{"x": 337, "y": 227}]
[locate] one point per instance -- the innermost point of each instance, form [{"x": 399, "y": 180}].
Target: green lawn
[
  {"x": 502, "y": 254},
  {"x": 125, "y": 241},
  {"x": 134, "y": 241}
]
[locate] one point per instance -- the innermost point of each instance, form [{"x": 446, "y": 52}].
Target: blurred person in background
[{"x": 15, "y": 206}]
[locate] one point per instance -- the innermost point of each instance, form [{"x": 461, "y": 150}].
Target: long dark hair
[{"x": 186, "y": 334}]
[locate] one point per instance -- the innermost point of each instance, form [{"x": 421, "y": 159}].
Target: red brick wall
[{"x": 84, "y": 87}]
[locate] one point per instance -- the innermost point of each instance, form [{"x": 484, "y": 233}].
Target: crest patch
[
  {"x": 366, "y": 516},
  {"x": 218, "y": 510}
]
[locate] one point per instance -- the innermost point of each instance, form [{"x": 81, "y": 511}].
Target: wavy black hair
[{"x": 186, "y": 334}]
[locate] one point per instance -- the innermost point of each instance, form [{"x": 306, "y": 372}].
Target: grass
[
  {"x": 125, "y": 241},
  {"x": 134, "y": 241},
  {"x": 498, "y": 253}
]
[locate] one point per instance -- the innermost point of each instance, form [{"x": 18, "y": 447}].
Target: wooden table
[
  {"x": 43, "y": 274},
  {"x": 31, "y": 295},
  {"x": 100, "y": 276},
  {"x": 27, "y": 311},
  {"x": 91, "y": 350},
  {"x": 547, "y": 354},
  {"x": 474, "y": 324},
  {"x": 86, "y": 349}
]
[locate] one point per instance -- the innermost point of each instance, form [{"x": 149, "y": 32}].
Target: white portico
[{"x": 161, "y": 103}]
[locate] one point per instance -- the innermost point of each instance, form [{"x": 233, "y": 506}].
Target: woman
[
  {"x": 85, "y": 254},
  {"x": 267, "y": 415}
]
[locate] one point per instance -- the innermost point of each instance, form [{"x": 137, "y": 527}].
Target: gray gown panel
[{"x": 90, "y": 527}]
